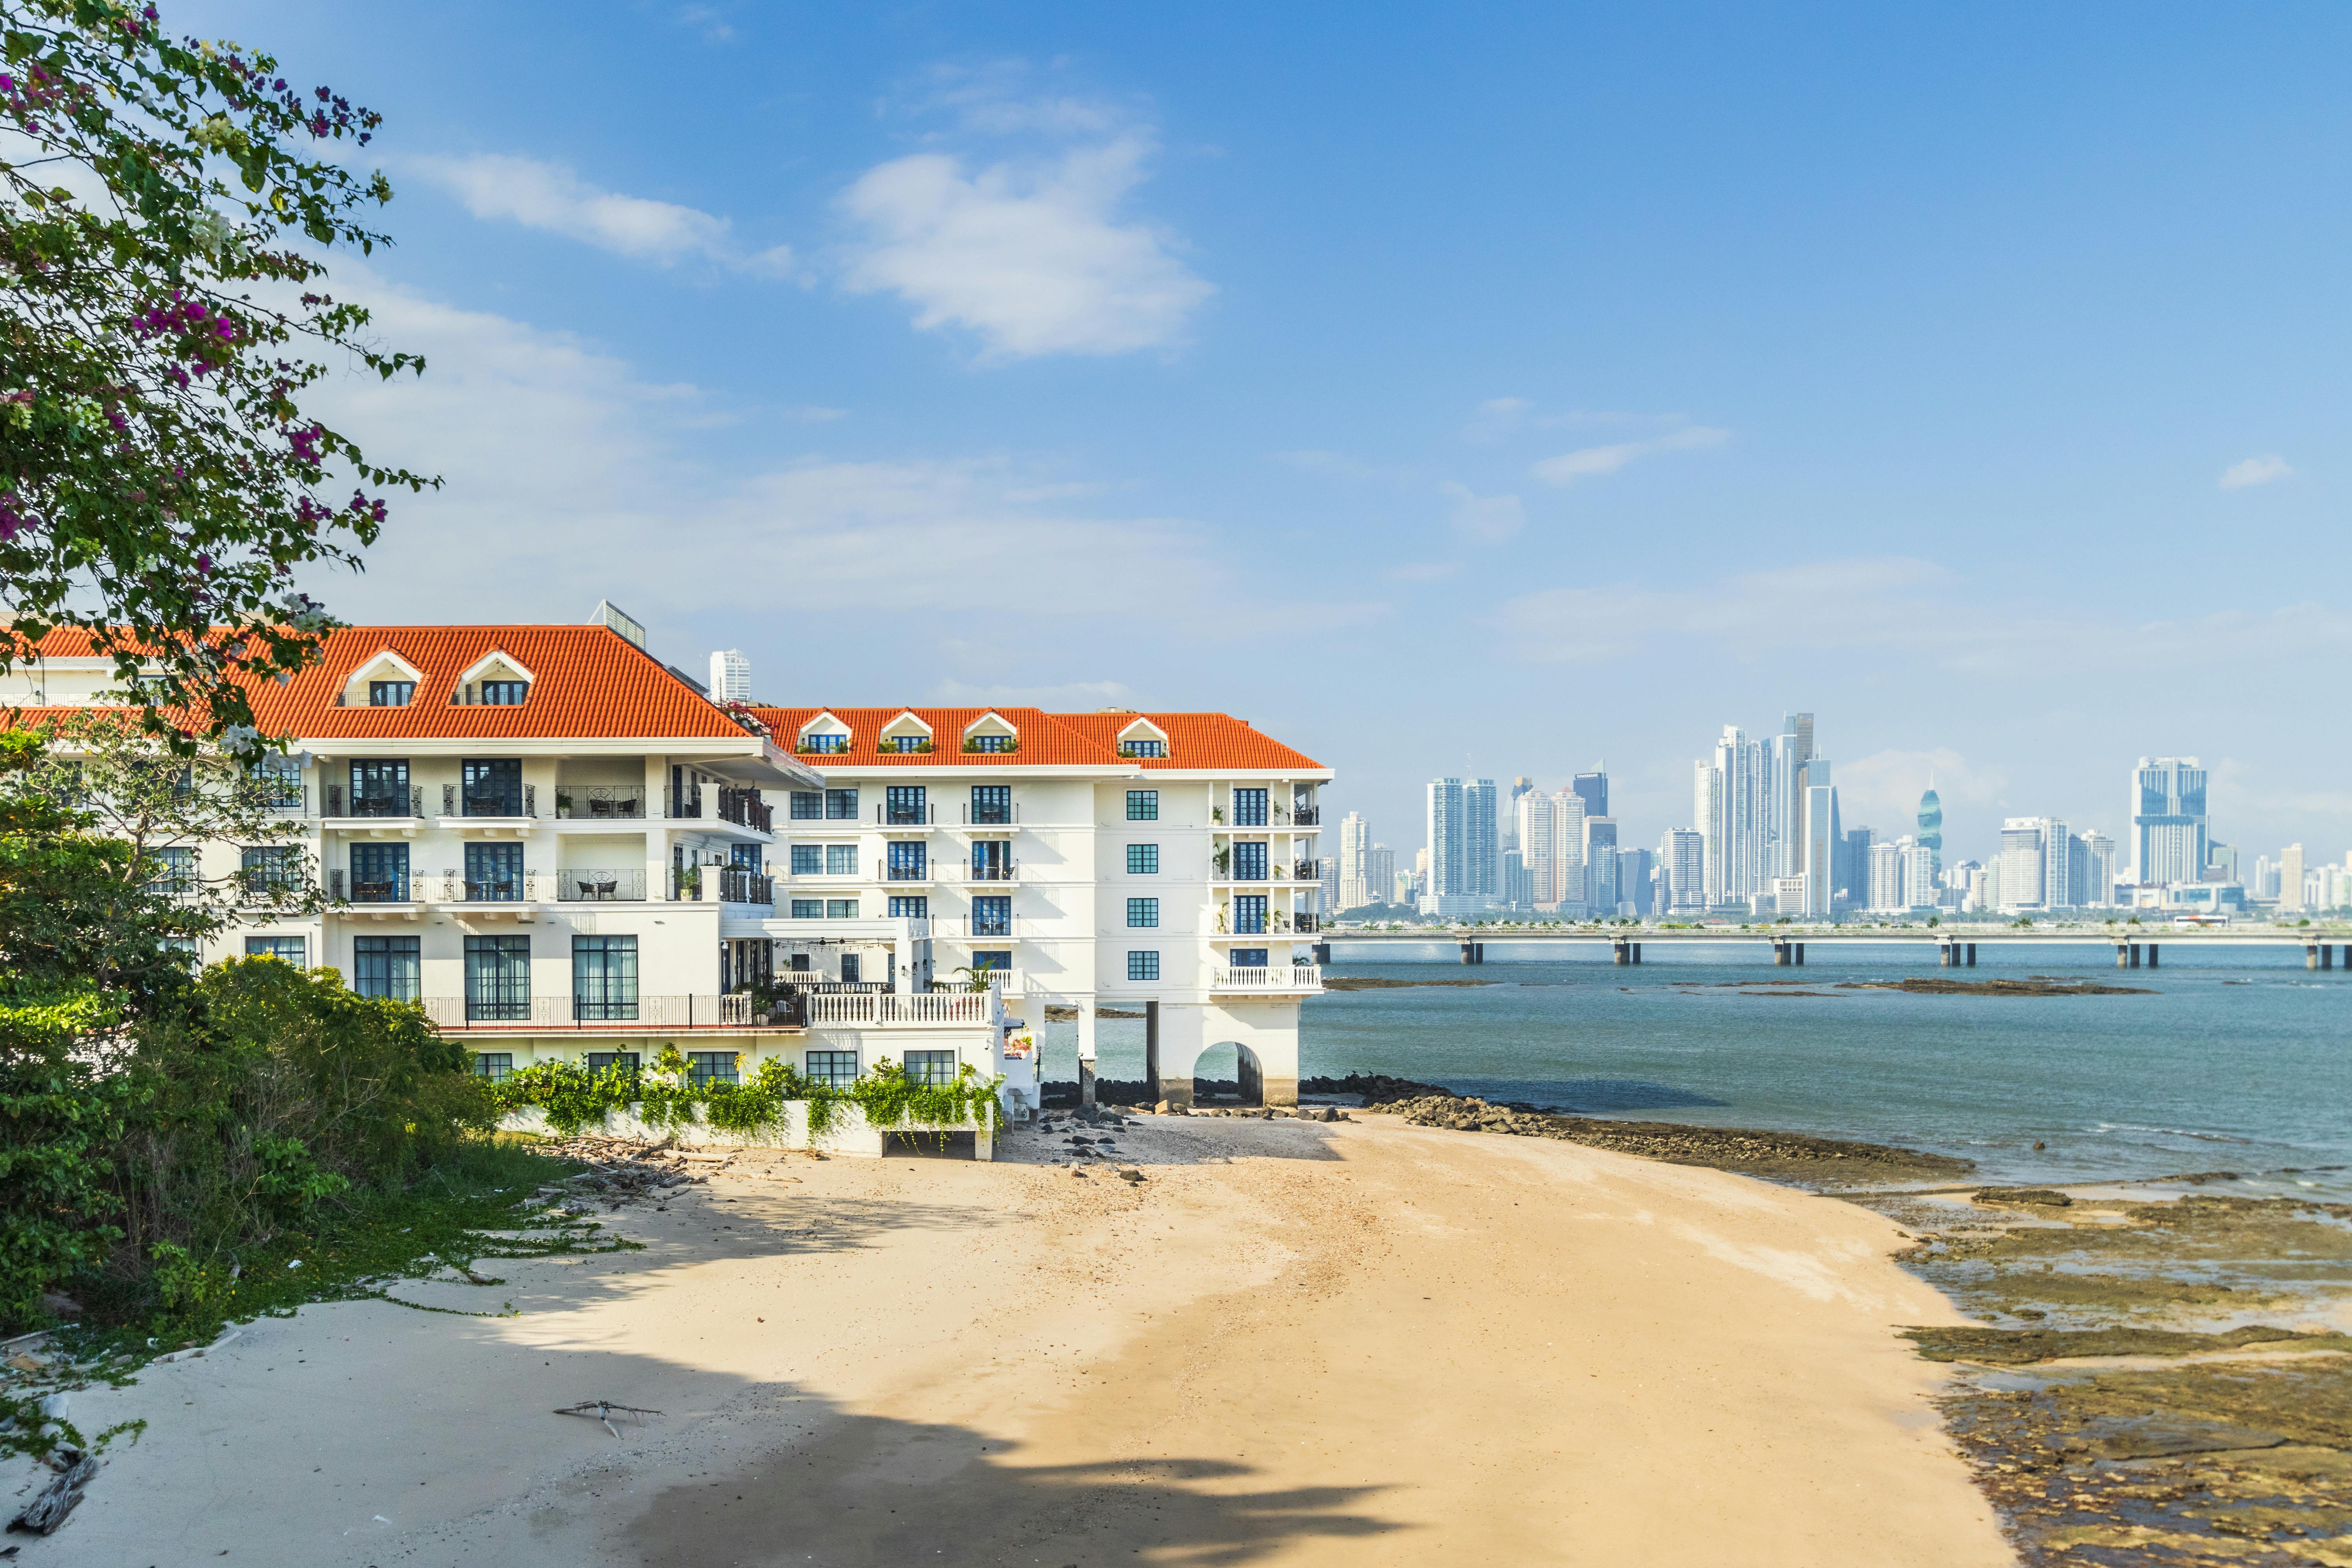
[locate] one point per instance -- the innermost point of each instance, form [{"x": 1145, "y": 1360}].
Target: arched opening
[{"x": 1228, "y": 1073}]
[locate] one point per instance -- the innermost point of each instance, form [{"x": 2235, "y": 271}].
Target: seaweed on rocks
[
  {"x": 1924, "y": 987},
  {"x": 2023, "y": 1347}
]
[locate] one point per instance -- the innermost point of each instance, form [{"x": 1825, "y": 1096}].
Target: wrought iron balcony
[
  {"x": 741, "y": 885},
  {"x": 504, "y": 803},
  {"x": 408, "y": 802},
  {"x": 1006, "y": 815},
  {"x": 1004, "y": 871},
  {"x": 598, "y": 802},
  {"x": 904, "y": 816},
  {"x": 920, "y": 871},
  {"x": 682, "y": 803},
  {"x": 574, "y": 885},
  {"x": 400, "y": 890},
  {"x": 744, "y": 808}
]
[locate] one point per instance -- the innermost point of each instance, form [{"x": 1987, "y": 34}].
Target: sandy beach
[{"x": 1293, "y": 1343}]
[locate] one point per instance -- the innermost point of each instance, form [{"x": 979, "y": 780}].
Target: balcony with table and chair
[
  {"x": 577, "y": 886},
  {"x": 600, "y": 803}
]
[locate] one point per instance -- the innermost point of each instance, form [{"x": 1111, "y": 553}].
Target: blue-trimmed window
[
  {"x": 604, "y": 979},
  {"x": 908, "y": 862},
  {"x": 808, "y": 908},
  {"x": 1143, "y": 805},
  {"x": 1142, "y": 965},
  {"x": 1143, "y": 860},
  {"x": 808, "y": 860},
  {"x": 840, "y": 859},
  {"x": 835, "y": 1069},
  {"x": 1249, "y": 808},
  {"x": 493, "y": 1064},
  {"x": 505, "y": 693},
  {"x": 906, "y": 804},
  {"x": 498, "y": 979},
  {"x": 841, "y": 805},
  {"x": 827, "y": 744},
  {"x": 989, "y": 743},
  {"x": 992, "y": 804},
  {"x": 991, "y": 916},
  {"x": 841, "y": 909},
  {"x": 1143, "y": 912},
  {"x": 1143, "y": 748},
  {"x": 910, "y": 907},
  {"x": 391, "y": 693},
  {"x": 709, "y": 1067},
  {"x": 290, "y": 948},
  {"x": 933, "y": 1069},
  {"x": 272, "y": 870},
  {"x": 808, "y": 806},
  {"x": 1249, "y": 914},
  {"x": 1249, "y": 862},
  {"x": 1249, "y": 958}
]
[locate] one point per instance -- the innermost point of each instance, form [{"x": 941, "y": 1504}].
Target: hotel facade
[{"x": 562, "y": 851}]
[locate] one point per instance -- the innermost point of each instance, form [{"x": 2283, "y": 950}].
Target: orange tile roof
[
  {"x": 588, "y": 682},
  {"x": 1196, "y": 741}
]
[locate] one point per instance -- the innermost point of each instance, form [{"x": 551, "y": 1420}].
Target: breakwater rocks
[
  {"x": 1792, "y": 1157},
  {"x": 1936, "y": 987}
]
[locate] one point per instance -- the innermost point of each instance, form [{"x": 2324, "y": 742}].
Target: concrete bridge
[{"x": 1954, "y": 947}]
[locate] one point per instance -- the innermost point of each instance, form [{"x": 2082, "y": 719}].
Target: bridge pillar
[
  {"x": 2310, "y": 955},
  {"x": 2123, "y": 955},
  {"x": 1322, "y": 951},
  {"x": 1468, "y": 951},
  {"x": 2135, "y": 955},
  {"x": 1972, "y": 955},
  {"x": 2151, "y": 955},
  {"x": 2347, "y": 954},
  {"x": 1801, "y": 956},
  {"x": 1779, "y": 954},
  {"x": 2326, "y": 955},
  {"x": 1622, "y": 950},
  {"x": 1946, "y": 954}
]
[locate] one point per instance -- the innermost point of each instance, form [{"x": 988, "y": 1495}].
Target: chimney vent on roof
[{"x": 1114, "y": 710}]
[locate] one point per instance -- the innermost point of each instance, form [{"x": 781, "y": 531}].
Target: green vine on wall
[{"x": 573, "y": 1099}]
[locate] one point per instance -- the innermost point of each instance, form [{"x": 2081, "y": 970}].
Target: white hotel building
[{"x": 565, "y": 851}]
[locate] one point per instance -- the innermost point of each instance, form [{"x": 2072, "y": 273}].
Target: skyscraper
[
  {"x": 2170, "y": 837},
  {"x": 1568, "y": 880},
  {"x": 2025, "y": 864},
  {"x": 1601, "y": 896},
  {"x": 1481, "y": 844},
  {"x": 730, "y": 677},
  {"x": 1818, "y": 863},
  {"x": 1788, "y": 758},
  {"x": 1931, "y": 821},
  {"x": 1381, "y": 876},
  {"x": 2290, "y": 876},
  {"x": 1538, "y": 847},
  {"x": 1739, "y": 827},
  {"x": 1464, "y": 868},
  {"x": 1592, "y": 789},
  {"x": 1681, "y": 863},
  {"x": 1707, "y": 821},
  {"x": 1448, "y": 842},
  {"x": 1356, "y": 884},
  {"x": 1507, "y": 829}
]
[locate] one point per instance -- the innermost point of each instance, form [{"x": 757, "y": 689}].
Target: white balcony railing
[
  {"x": 714, "y": 1012},
  {"x": 1275, "y": 977},
  {"x": 872, "y": 1010}
]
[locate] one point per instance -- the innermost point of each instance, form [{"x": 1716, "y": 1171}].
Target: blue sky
[{"x": 1475, "y": 388}]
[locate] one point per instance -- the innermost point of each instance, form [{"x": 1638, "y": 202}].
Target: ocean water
[{"x": 2241, "y": 1060}]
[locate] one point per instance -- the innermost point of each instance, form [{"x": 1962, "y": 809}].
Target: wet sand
[{"x": 1291, "y": 1343}]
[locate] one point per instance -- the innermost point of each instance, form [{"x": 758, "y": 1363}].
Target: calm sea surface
[{"x": 2240, "y": 1061}]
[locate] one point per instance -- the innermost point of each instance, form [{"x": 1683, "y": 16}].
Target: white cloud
[
  {"x": 1590, "y": 462},
  {"x": 1490, "y": 517},
  {"x": 1030, "y": 254},
  {"x": 2254, "y": 471},
  {"x": 550, "y": 197},
  {"x": 1823, "y": 604}
]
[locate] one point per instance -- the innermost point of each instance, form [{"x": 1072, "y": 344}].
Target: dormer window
[
  {"x": 825, "y": 744},
  {"x": 990, "y": 734},
  {"x": 496, "y": 682},
  {"x": 991, "y": 743},
  {"x": 387, "y": 681},
  {"x": 824, "y": 735},
  {"x": 505, "y": 693},
  {"x": 906, "y": 733},
  {"x": 904, "y": 743},
  {"x": 1142, "y": 739},
  {"x": 391, "y": 693}
]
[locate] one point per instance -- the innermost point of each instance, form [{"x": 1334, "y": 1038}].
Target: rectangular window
[
  {"x": 834, "y": 1069},
  {"x": 991, "y": 916},
  {"x": 498, "y": 979},
  {"x": 825, "y": 745},
  {"x": 380, "y": 787},
  {"x": 604, "y": 979},
  {"x": 992, "y": 804},
  {"x": 852, "y": 968},
  {"x": 709, "y": 1067},
  {"x": 910, "y": 907},
  {"x": 908, "y": 862},
  {"x": 840, "y": 859},
  {"x": 494, "y": 873},
  {"x": 1143, "y": 860},
  {"x": 905, "y": 804},
  {"x": 493, "y": 786},
  {"x": 1249, "y": 958},
  {"x": 1249, "y": 914},
  {"x": 1249, "y": 808},
  {"x": 390, "y": 693},
  {"x": 841, "y": 805},
  {"x": 1143, "y": 966},
  {"x": 379, "y": 873},
  {"x": 1143, "y": 748},
  {"x": 750, "y": 856},
  {"x": 176, "y": 870},
  {"x": 290, "y": 948},
  {"x": 1143, "y": 805},
  {"x": 934, "y": 1068},
  {"x": 841, "y": 909},
  {"x": 613, "y": 1061},
  {"x": 385, "y": 966},
  {"x": 493, "y": 1064},
  {"x": 808, "y": 806},
  {"x": 992, "y": 860},
  {"x": 907, "y": 743},
  {"x": 274, "y": 869},
  {"x": 1249, "y": 862},
  {"x": 992, "y": 744},
  {"x": 808, "y": 860},
  {"x": 1000, "y": 960},
  {"x": 796, "y": 963},
  {"x": 277, "y": 782},
  {"x": 1143, "y": 912},
  {"x": 505, "y": 693},
  {"x": 808, "y": 908}
]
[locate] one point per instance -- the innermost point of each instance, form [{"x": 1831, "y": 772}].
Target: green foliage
[
  {"x": 572, "y": 1099},
  {"x": 163, "y": 212}
]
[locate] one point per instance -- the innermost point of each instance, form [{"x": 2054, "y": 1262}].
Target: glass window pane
[
  {"x": 290, "y": 948},
  {"x": 808, "y": 860},
  {"x": 385, "y": 966},
  {"x": 840, "y": 859},
  {"x": 498, "y": 979},
  {"x": 1143, "y": 805},
  {"x": 1143, "y": 966},
  {"x": 604, "y": 978},
  {"x": 841, "y": 805},
  {"x": 1143, "y": 911},
  {"x": 1143, "y": 860}
]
